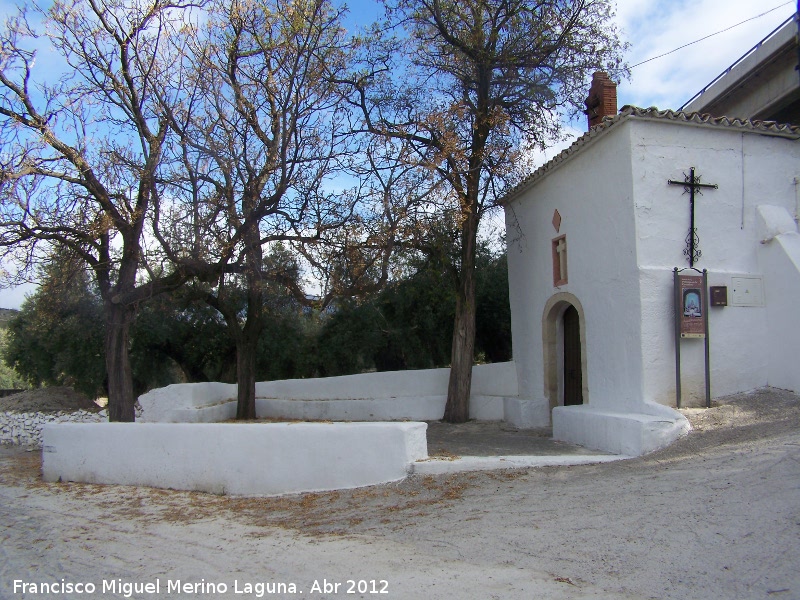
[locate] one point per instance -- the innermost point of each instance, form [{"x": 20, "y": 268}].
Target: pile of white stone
[{"x": 25, "y": 428}]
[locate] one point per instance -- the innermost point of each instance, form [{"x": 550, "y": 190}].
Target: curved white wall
[
  {"x": 418, "y": 395},
  {"x": 496, "y": 379},
  {"x": 240, "y": 459}
]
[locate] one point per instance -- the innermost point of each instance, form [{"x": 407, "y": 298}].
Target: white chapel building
[
  {"x": 658, "y": 239},
  {"x": 594, "y": 238}
]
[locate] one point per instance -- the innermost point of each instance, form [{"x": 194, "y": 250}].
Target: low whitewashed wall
[
  {"x": 418, "y": 395},
  {"x": 628, "y": 433},
  {"x": 497, "y": 379},
  {"x": 398, "y": 408},
  {"x": 229, "y": 458},
  {"x": 25, "y": 429},
  {"x": 189, "y": 403}
]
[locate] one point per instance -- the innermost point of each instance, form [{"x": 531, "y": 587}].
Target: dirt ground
[
  {"x": 48, "y": 399},
  {"x": 716, "y": 515}
]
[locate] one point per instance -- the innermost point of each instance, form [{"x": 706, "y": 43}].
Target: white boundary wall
[
  {"x": 417, "y": 395},
  {"x": 238, "y": 459},
  {"x": 632, "y": 434},
  {"x": 189, "y": 403}
]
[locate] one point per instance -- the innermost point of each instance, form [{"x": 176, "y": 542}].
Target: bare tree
[
  {"x": 262, "y": 137},
  {"x": 82, "y": 152},
  {"x": 464, "y": 83}
]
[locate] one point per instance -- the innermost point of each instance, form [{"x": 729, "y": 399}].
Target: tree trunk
[
  {"x": 458, "y": 389},
  {"x": 120, "y": 380},
  {"x": 463, "y": 349},
  {"x": 246, "y": 378},
  {"x": 247, "y": 340},
  {"x": 246, "y": 351}
]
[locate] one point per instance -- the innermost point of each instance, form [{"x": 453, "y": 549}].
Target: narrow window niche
[{"x": 559, "y": 250}]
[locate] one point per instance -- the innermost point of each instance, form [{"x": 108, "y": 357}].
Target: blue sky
[
  {"x": 656, "y": 27},
  {"x": 652, "y": 27}
]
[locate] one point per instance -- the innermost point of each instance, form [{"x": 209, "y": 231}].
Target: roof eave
[{"x": 769, "y": 128}]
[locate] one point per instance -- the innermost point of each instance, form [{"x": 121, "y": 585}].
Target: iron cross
[{"x": 691, "y": 183}]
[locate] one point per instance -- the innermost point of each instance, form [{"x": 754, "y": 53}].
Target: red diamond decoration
[{"x": 557, "y": 220}]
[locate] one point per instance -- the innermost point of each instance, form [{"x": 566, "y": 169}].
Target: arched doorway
[
  {"x": 564, "y": 343},
  {"x": 573, "y": 375}
]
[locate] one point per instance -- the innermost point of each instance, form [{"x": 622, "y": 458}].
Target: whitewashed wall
[
  {"x": 620, "y": 269},
  {"x": 626, "y": 229},
  {"x": 209, "y": 402},
  {"x": 592, "y": 192},
  {"x": 779, "y": 255},
  {"x": 237, "y": 459},
  {"x": 395, "y": 395},
  {"x": 487, "y": 380},
  {"x": 750, "y": 170}
]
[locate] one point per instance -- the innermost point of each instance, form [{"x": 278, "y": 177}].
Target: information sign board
[{"x": 690, "y": 313}]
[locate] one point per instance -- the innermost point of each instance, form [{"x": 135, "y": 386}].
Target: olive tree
[
  {"x": 262, "y": 138},
  {"x": 465, "y": 83},
  {"x": 83, "y": 134}
]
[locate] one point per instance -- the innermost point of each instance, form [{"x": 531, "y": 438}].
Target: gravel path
[{"x": 716, "y": 515}]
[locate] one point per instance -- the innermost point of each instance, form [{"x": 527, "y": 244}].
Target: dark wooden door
[{"x": 573, "y": 380}]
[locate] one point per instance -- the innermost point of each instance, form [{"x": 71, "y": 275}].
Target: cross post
[{"x": 691, "y": 184}]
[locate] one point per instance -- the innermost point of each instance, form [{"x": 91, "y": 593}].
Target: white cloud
[{"x": 653, "y": 27}]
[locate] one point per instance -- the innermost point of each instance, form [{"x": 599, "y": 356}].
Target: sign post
[{"x": 691, "y": 321}]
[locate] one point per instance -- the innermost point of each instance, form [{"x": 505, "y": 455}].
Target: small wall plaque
[{"x": 719, "y": 295}]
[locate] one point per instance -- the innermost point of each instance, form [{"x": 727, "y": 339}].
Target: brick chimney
[{"x": 602, "y": 100}]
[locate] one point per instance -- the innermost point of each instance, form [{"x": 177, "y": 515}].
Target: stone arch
[{"x": 552, "y": 344}]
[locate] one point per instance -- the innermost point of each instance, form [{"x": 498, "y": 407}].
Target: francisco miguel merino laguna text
[{"x": 173, "y": 586}]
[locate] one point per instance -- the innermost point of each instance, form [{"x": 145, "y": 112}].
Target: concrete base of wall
[
  {"x": 632, "y": 434},
  {"x": 526, "y": 413},
  {"x": 240, "y": 459}
]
